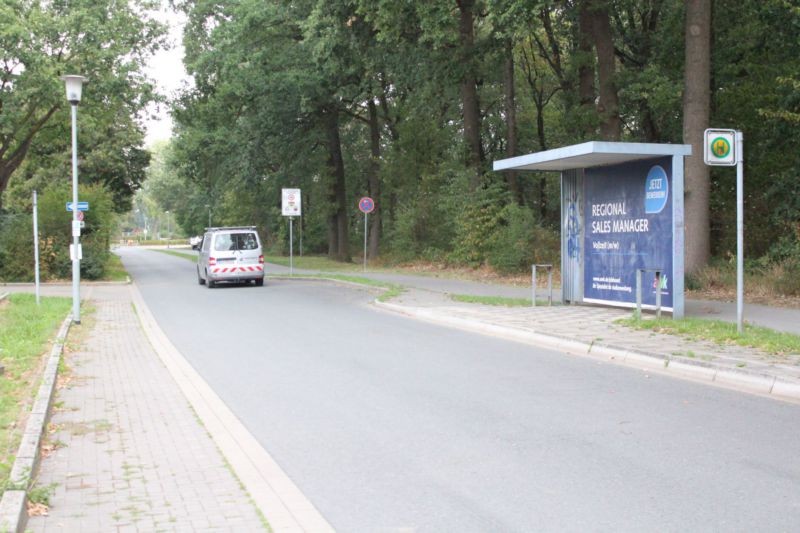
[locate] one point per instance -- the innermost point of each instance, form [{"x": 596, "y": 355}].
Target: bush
[
  {"x": 786, "y": 277},
  {"x": 519, "y": 242},
  {"x": 55, "y": 236},
  {"x": 477, "y": 225},
  {"x": 16, "y": 247},
  {"x": 493, "y": 230}
]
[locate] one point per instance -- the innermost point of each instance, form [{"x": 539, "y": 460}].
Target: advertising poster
[{"x": 628, "y": 225}]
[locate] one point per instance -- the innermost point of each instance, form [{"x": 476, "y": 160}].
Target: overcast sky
[{"x": 166, "y": 68}]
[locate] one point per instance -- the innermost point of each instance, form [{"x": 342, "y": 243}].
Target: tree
[
  {"x": 43, "y": 40},
  {"x": 696, "y": 113}
]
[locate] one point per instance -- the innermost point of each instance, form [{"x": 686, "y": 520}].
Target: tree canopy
[{"x": 106, "y": 42}]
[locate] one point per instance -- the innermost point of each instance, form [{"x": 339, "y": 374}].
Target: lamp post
[{"x": 74, "y": 84}]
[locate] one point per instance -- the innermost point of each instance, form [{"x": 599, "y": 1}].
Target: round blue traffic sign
[{"x": 366, "y": 205}]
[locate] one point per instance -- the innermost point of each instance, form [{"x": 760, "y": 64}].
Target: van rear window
[{"x": 235, "y": 241}]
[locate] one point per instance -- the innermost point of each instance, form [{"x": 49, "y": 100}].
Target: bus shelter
[{"x": 621, "y": 214}]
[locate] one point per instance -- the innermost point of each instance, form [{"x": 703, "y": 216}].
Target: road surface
[{"x": 387, "y": 423}]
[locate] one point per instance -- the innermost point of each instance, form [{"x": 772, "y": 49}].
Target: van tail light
[
  {"x": 261, "y": 259},
  {"x": 212, "y": 261}
]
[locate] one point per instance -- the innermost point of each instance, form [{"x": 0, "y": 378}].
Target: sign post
[
  {"x": 366, "y": 205},
  {"x": 36, "y": 243},
  {"x": 291, "y": 207},
  {"x": 726, "y": 148}
]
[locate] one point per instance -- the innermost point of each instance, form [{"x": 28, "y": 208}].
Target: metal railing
[
  {"x": 549, "y": 269},
  {"x": 658, "y": 272}
]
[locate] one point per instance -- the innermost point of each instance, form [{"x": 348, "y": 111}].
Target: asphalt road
[{"x": 386, "y": 422}]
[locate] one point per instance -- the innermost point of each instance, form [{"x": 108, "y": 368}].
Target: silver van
[{"x": 230, "y": 254}]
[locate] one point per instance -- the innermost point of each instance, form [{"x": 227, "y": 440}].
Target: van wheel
[
  {"x": 259, "y": 282},
  {"x": 200, "y": 280}
]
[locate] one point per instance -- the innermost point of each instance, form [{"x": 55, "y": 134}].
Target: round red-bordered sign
[{"x": 366, "y": 205}]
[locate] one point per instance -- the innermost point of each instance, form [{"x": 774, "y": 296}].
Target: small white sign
[
  {"x": 72, "y": 252},
  {"x": 291, "y": 205},
  {"x": 76, "y": 228},
  {"x": 719, "y": 147}
]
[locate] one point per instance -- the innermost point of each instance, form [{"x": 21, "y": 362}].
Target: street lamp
[{"x": 74, "y": 85}]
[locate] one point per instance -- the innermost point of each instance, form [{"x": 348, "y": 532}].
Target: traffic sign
[
  {"x": 366, "y": 205},
  {"x": 80, "y": 216},
  {"x": 82, "y": 206},
  {"x": 291, "y": 204},
  {"x": 720, "y": 148}
]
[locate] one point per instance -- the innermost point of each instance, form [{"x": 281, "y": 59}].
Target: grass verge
[
  {"x": 723, "y": 333},
  {"x": 176, "y": 253},
  {"x": 25, "y": 333},
  {"x": 114, "y": 270},
  {"x": 391, "y": 290},
  {"x": 313, "y": 263},
  {"x": 497, "y": 300}
]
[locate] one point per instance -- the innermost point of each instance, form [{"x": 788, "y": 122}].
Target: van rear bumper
[{"x": 234, "y": 273}]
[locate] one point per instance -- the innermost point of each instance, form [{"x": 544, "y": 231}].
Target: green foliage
[
  {"x": 493, "y": 230},
  {"x": 271, "y": 76},
  {"x": 40, "y": 42},
  {"x": 55, "y": 236}
]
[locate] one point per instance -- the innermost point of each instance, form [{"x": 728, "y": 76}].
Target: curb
[
  {"x": 13, "y": 512},
  {"x": 678, "y": 367}
]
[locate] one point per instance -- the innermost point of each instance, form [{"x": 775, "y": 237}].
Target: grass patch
[
  {"x": 114, "y": 271},
  {"x": 182, "y": 255},
  {"x": 313, "y": 262},
  {"x": 723, "y": 333},
  {"x": 496, "y": 300},
  {"x": 25, "y": 333},
  {"x": 391, "y": 290}
]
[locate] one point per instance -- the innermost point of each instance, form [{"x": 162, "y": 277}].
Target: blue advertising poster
[{"x": 628, "y": 225}]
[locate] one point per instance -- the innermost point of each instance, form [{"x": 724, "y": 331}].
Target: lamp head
[{"x": 74, "y": 85}]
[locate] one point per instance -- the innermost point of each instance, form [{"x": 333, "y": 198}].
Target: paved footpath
[{"x": 130, "y": 452}]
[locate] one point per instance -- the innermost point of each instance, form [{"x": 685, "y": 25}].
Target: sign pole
[
  {"x": 291, "y": 251},
  {"x": 76, "y": 229},
  {"x": 739, "y": 230},
  {"x": 726, "y": 148},
  {"x": 366, "y": 205},
  {"x": 291, "y": 206},
  {"x": 366, "y": 215},
  {"x": 36, "y": 243}
]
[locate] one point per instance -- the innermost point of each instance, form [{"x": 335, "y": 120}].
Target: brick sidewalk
[{"x": 131, "y": 455}]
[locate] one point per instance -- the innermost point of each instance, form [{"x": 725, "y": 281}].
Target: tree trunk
[
  {"x": 696, "y": 112},
  {"x": 585, "y": 70},
  {"x": 608, "y": 106},
  {"x": 511, "y": 121},
  {"x": 374, "y": 181},
  {"x": 469, "y": 92},
  {"x": 338, "y": 236}
]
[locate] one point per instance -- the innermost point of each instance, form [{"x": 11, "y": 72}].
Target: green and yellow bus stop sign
[{"x": 720, "y": 147}]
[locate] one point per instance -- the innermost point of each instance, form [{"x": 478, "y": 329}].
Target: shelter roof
[{"x": 591, "y": 154}]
